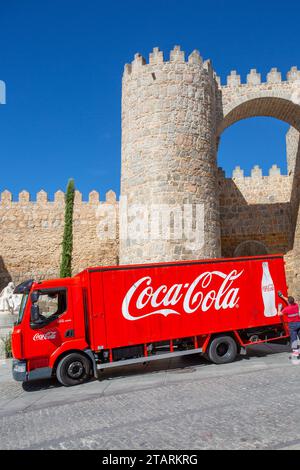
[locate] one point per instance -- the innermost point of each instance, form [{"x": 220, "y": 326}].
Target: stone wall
[
  {"x": 256, "y": 208},
  {"x": 91, "y": 244},
  {"x": 31, "y": 235}
]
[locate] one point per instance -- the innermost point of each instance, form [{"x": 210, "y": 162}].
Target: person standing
[{"x": 291, "y": 315}]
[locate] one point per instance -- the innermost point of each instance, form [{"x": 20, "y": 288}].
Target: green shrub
[{"x": 7, "y": 346}]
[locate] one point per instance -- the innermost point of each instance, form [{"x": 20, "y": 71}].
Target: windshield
[{"x": 22, "y": 308}]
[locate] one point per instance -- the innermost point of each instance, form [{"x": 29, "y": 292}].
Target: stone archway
[
  {"x": 263, "y": 210},
  {"x": 250, "y": 248},
  {"x": 275, "y": 107},
  {"x": 275, "y": 98}
]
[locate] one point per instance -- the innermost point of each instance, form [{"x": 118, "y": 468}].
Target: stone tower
[{"x": 169, "y": 119}]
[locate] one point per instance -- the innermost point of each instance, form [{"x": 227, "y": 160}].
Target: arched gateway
[
  {"x": 257, "y": 207},
  {"x": 274, "y": 98}
]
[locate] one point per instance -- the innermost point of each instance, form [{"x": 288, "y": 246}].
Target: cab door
[{"x": 54, "y": 325}]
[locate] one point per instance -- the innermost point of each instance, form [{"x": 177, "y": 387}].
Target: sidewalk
[{"x": 5, "y": 370}]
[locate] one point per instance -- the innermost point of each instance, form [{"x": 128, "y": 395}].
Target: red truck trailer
[{"x": 111, "y": 316}]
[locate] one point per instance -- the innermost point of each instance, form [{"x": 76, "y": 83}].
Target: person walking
[{"x": 291, "y": 315}]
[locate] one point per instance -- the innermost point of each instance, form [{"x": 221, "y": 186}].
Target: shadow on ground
[
  {"x": 38, "y": 385},
  {"x": 184, "y": 364}
]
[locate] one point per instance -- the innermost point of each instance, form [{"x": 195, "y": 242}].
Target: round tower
[{"x": 169, "y": 171}]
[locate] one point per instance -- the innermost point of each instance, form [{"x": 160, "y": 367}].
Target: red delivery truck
[{"x": 118, "y": 315}]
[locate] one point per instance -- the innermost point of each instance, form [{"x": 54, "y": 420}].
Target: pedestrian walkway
[{"x": 188, "y": 404}]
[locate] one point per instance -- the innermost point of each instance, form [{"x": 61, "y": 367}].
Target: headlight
[{"x": 20, "y": 367}]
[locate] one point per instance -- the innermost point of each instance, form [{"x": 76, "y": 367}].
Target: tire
[
  {"x": 73, "y": 369},
  {"x": 222, "y": 350}
]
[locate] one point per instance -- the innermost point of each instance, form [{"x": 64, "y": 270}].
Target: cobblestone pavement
[{"x": 179, "y": 404}]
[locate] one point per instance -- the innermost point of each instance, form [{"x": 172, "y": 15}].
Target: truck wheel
[
  {"x": 222, "y": 349},
  {"x": 73, "y": 369}
]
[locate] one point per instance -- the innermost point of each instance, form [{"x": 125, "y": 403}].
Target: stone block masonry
[
  {"x": 31, "y": 235},
  {"x": 255, "y": 208}
]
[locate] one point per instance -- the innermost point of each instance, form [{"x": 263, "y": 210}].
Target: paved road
[{"x": 178, "y": 404}]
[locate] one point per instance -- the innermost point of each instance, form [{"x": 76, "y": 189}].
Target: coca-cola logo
[
  {"x": 268, "y": 288},
  {"x": 44, "y": 336},
  {"x": 194, "y": 296}
]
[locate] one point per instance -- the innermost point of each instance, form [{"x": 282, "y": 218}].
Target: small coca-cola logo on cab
[{"x": 45, "y": 336}]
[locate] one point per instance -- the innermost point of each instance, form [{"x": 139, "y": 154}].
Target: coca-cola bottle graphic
[{"x": 268, "y": 292}]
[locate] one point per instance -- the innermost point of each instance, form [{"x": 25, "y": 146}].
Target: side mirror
[
  {"x": 34, "y": 296},
  {"x": 34, "y": 313}
]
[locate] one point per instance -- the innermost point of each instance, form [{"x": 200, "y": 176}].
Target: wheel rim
[
  {"x": 222, "y": 349},
  {"x": 75, "y": 370}
]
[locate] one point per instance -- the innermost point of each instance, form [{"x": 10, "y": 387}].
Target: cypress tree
[{"x": 67, "y": 244}]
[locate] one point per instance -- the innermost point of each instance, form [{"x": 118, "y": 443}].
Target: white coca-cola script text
[
  {"x": 195, "y": 296},
  {"x": 44, "y": 336}
]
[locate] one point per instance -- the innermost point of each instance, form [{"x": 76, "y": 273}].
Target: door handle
[{"x": 69, "y": 334}]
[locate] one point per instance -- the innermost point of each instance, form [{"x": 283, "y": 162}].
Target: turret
[{"x": 169, "y": 156}]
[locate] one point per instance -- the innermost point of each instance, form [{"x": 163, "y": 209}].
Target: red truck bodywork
[{"x": 111, "y": 311}]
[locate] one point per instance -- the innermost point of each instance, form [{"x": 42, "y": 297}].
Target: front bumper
[
  {"x": 19, "y": 370},
  {"x": 21, "y": 375}
]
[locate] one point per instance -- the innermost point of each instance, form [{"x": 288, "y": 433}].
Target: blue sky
[{"x": 62, "y": 62}]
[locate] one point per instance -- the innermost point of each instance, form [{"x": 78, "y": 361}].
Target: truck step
[{"x": 156, "y": 357}]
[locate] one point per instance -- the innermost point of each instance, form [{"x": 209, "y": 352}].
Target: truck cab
[{"x": 50, "y": 314}]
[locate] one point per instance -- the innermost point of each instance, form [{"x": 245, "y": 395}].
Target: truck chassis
[{"x": 194, "y": 345}]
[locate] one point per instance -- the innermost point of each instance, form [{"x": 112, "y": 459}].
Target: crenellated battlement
[
  {"x": 255, "y": 173},
  {"x": 255, "y": 208},
  {"x": 274, "y": 97},
  {"x": 177, "y": 56},
  {"x": 254, "y": 77},
  {"x": 156, "y": 57},
  {"x": 31, "y": 233},
  {"x": 24, "y": 197},
  {"x": 255, "y": 188}
]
